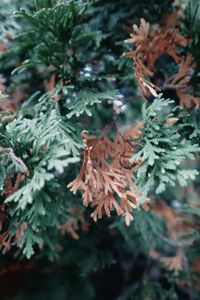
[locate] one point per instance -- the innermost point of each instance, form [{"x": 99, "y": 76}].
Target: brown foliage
[
  {"x": 5, "y": 103},
  {"x": 105, "y": 177},
  {"x": 72, "y": 226},
  {"x": 50, "y": 85},
  {"x": 174, "y": 264},
  {"x": 10, "y": 187},
  {"x": 176, "y": 227},
  {"x": 175, "y": 224},
  {"x": 10, "y": 105},
  {"x": 6, "y": 238},
  {"x": 150, "y": 45}
]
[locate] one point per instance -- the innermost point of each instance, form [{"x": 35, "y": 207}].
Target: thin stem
[{"x": 11, "y": 154}]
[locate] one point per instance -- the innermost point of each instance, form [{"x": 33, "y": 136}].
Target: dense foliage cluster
[{"x": 99, "y": 149}]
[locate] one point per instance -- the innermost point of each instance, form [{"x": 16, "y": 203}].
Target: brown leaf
[
  {"x": 105, "y": 177},
  {"x": 174, "y": 264},
  {"x": 150, "y": 44}
]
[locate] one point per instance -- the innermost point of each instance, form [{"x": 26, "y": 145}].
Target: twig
[
  {"x": 11, "y": 154},
  {"x": 172, "y": 86}
]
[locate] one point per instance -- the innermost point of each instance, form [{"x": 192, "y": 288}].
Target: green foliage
[
  {"x": 41, "y": 147},
  {"x": 8, "y": 24},
  {"x": 87, "y": 98},
  {"x": 162, "y": 149},
  {"x": 60, "y": 34},
  {"x": 192, "y": 26},
  {"x": 63, "y": 70}
]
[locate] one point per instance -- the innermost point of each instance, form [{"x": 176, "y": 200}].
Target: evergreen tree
[{"x": 99, "y": 149}]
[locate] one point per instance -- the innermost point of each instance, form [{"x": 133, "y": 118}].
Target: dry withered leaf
[
  {"x": 72, "y": 226},
  {"x": 50, "y": 85},
  {"x": 175, "y": 263},
  {"x": 150, "y": 44},
  {"x": 2, "y": 47},
  {"x": 105, "y": 177},
  {"x": 175, "y": 225},
  {"x": 11, "y": 104},
  {"x": 9, "y": 187}
]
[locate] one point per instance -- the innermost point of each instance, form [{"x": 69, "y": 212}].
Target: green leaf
[{"x": 87, "y": 98}]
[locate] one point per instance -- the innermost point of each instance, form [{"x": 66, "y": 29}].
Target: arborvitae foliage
[{"x": 99, "y": 149}]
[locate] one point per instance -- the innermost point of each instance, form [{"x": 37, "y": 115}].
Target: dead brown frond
[
  {"x": 150, "y": 45},
  {"x": 72, "y": 226},
  {"x": 105, "y": 177}
]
